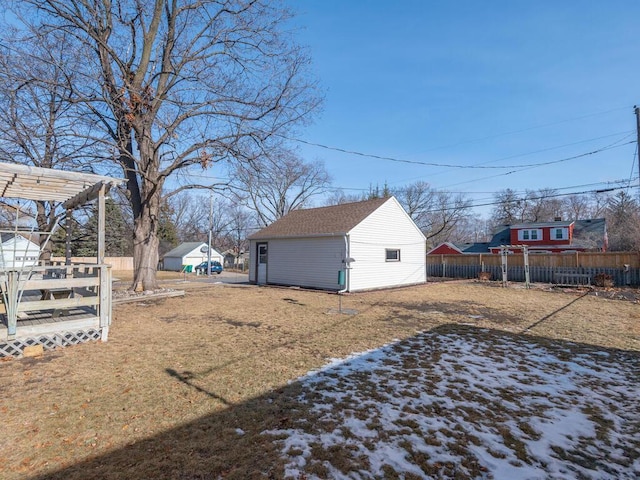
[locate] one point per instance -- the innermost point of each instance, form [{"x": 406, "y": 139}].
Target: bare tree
[
  {"x": 576, "y": 207},
  {"x": 338, "y": 197},
  {"x": 177, "y": 84},
  {"x": 276, "y": 184},
  {"x": 193, "y": 215},
  {"x": 240, "y": 228},
  {"x": 437, "y": 213},
  {"x": 623, "y": 222},
  {"x": 542, "y": 205},
  {"x": 470, "y": 229},
  {"x": 39, "y": 122},
  {"x": 597, "y": 205},
  {"x": 509, "y": 208},
  {"x": 189, "y": 215}
]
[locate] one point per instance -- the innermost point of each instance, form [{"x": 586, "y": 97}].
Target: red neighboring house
[
  {"x": 544, "y": 237},
  {"x": 540, "y": 237},
  {"x": 445, "y": 248}
]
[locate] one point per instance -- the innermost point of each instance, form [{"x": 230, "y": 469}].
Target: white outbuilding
[
  {"x": 188, "y": 253},
  {"x": 17, "y": 251},
  {"x": 350, "y": 247}
]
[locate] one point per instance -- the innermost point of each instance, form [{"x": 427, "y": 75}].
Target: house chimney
[{"x": 557, "y": 219}]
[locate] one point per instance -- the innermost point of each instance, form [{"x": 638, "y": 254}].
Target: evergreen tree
[
  {"x": 167, "y": 231},
  {"x": 116, "y": 234},
  {"x": 59, "y": 238}
]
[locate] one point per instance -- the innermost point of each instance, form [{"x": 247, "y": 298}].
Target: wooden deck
[
  {"x": 42, "y": 322},
  {"x": 60, "y": 306}
]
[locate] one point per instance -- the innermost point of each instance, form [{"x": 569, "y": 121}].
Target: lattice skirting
[{"x": 14, "y": 348}]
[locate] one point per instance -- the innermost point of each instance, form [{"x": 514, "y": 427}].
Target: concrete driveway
[{"x": 224, "y": 277}]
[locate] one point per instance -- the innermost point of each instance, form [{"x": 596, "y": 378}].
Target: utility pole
[
  {"x": 637, "y": 111},
  {"x": 210, "y": 233}
]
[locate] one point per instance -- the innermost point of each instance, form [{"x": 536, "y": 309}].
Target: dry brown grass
[
  {"x": 126, "y": 276},
  {"x": 185, "y": 385}
]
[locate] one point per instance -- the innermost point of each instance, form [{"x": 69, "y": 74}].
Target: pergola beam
[
  {"x": 36, "y": 183},
  {"x": 86, "y": 196}
]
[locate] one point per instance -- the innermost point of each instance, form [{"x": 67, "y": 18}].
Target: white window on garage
[{"x": 392, "y": 254}]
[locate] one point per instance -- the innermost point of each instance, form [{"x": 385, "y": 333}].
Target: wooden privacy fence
[
  {"x": 117, "y": 263},
  {"x": 624, "y": 267}
]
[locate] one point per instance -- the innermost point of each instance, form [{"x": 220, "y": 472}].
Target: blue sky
[{"x": 474, "y": 83}]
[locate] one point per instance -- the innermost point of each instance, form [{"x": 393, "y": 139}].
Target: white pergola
[{"x": 72, "y": 189}]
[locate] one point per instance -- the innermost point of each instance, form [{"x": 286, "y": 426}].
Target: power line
[
  {"x": 518, "y": 168},
  {"x": 585, "y": 192},
  {"x": 608, "y": 147},
  {"x": 633, "y": 164},
  {"x": 449, "y": 165},
  {"x": 535, "y": 127},
  {"x": 542, "y": 164},
  {"x": 466, "y": 192},
  {"x": 627, "y": 134}
]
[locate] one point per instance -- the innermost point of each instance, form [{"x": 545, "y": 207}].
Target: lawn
[{"x": 455, "y": 380}]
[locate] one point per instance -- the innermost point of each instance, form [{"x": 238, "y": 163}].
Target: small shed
[
  {"x": 18, "y": 251},
  {"x": 189, "y": 253},
  {"x": 350, "y": 247}
]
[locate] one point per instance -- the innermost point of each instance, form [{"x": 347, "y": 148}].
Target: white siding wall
[
  {"x": 19, "y": 253},
  {"x": 175, "y": 263},
  {"x": 305, "y": 262},
  {"x": 388, "y": 227},
  {"x": 196, "y": 259}
]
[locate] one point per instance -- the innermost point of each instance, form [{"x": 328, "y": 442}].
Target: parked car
[{"x": 215, "y": 268}]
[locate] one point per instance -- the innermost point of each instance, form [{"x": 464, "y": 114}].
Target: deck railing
[{"x": 59, "y": 288}]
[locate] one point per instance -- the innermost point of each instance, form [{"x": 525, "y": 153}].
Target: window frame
[
  {"x": 563, "y": 231},
  {"x": 529, "y": 235},
  {"x": 263, "y": 253},
  {"x": 387, "y": 251}
]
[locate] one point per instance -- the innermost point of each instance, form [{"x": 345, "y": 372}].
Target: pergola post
[
  {"x": 105, "y": 273},
  {"x": 67, "y": 240},
  {"x": 101, "y": 224}
]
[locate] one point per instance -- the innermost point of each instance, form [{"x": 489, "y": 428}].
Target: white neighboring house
[
  {"x": 374, "y": 243},
  {"x": 188, "y": 253},
  {"x": 18, "y": 252}
]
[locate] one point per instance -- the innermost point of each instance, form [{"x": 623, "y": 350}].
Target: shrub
[
  {"x": 603, "y": 280},
  {"x": 484, "y": 275}
]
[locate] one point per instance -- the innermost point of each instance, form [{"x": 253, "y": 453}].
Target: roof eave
[{"x": 310, "y": 235}]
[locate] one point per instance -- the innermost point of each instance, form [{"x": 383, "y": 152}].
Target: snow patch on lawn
[{"x": 477, "y": 405}]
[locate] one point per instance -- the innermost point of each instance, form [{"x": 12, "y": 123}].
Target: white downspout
[{"x": 346, "y": 264}]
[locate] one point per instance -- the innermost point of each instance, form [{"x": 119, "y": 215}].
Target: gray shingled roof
[
  {"x": 590, "y": 233},
  {"x": 333, "y": 220},
  {"x": 479, "y": 247},
  {"x": 184, "y": 249},
  {"x": 501, "y": 236}
]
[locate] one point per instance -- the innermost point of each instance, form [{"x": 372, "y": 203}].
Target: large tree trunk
[
  {"x": 146, "y": 215},
  {"x": 145, "y": 246},
  {"x": 45, "y": 222}
]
